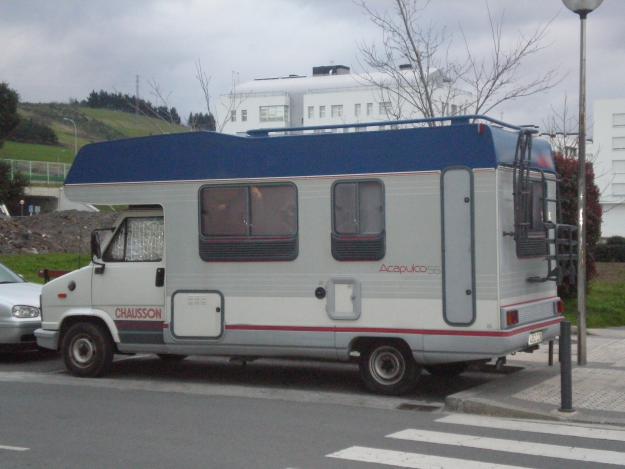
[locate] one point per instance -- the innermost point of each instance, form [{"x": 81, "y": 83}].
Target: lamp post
[
  {"x": 75, "y": 134},
  {"x": 582, "y": 8}
]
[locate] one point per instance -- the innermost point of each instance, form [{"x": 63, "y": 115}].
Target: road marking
[
  {"x": 510, "y": 446},
  {"x": 14, "y": 448},
  {"x": 411, "y": 460},
  {"x": 535, "y": 427}
]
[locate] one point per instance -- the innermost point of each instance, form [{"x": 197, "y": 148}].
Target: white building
[
  {"x": 609, "y": 163},
  {"x": 332, "y": 95}
]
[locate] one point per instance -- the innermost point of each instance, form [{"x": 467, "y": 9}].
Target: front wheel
[
  {"x": 388, "y": 368},
  {"x": 87, "y": 350}
]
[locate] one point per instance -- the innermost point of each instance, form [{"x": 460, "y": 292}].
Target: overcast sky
[{"x": 61, "y": 49}]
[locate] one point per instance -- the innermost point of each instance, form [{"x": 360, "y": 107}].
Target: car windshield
[{"x": 7, "y": 276}]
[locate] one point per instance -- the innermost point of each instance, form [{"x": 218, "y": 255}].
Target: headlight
[{"x": 23, "y": 311}]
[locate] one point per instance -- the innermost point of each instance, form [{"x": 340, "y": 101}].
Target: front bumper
[
  {"x": 18, "y": 332},
  {"x": 47, "y": 339}
]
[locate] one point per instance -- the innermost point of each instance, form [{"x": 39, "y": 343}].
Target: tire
[
  {"x": 171, "y": 357},
  {"x": 87, "y": 350},
  {"x": 388, "y": 368},
  {"x": 448, "y": 370}
]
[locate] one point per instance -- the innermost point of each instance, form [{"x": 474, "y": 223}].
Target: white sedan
[{"x": 19, "y": 310}]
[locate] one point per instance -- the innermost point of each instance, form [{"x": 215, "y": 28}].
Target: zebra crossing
[{"x": 578, "y": 445}]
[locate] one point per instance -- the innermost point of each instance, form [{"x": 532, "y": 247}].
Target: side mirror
[{"x": 96, "y": 250}]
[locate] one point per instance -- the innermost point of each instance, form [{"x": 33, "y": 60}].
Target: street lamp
[
  {"x": 582, "y": 8},
  {"x": 75, "y": 134}
]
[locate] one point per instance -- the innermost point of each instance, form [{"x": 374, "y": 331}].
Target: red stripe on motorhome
[
  {"x": 140, "y": 325},
  {"x": 383, "y": 330}
]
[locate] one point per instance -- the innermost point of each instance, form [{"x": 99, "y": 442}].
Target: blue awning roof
[{"x": 209, "y": 155}]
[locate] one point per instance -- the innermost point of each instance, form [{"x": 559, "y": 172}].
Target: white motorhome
[{"x": 421, "y": 246}]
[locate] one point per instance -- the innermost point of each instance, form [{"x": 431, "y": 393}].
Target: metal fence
[{"x": 39, "y": 173}]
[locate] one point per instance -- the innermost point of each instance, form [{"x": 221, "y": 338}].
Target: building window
[
  {"x": 369, "y": 109},
  {"x": 233, "y": 116},
  {"x": 336, "y": 110},
  {"x": 357, "y": 109},
  {"x": 358, "y": 227},
  {"x": 248, "y": 222},
  {"x": 276, "y": 113},
  {"x": 618, "y": 189},
  {"x": 618, "y": 143},
  {"x": 384, "y": 108},
  {"x": 243, "y": 115},
  {"x": 322, "y": 112},
  {"x": 311, "y": 112},
  {"x": 138, "y": 239},
  {"x": 618, "y": 120},
  {"x": 618, "y": 166}
]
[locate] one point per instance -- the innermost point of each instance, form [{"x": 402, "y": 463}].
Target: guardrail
[{"x": 39, "y": 172}]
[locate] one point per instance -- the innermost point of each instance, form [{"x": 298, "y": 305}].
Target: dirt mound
[{"x": 67, "y": 231}]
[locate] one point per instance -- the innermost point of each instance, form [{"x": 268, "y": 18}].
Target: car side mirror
[{"x": 96, "y": 249}]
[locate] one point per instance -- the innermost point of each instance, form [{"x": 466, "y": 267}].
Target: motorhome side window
[
  {"x": 256, "y": 222},
  {"x": 358, "y": 226},
  {"x": 138, "y": 239},
  {"x": 531, "y": 241}
]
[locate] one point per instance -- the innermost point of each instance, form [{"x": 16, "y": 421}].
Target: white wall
[
  {"x": 609, "y": 163},
  {"x": 300, "y": 93},
  {"x": 250, "y": 103}
]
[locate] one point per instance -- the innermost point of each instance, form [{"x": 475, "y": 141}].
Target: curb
[{"x": 482, "y": 406}]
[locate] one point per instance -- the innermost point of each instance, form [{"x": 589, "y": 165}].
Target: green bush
[
  {"x": 612, "y": 251},
  {"x": 31, "y": 131},
  {"x": 615, "y": 240}
]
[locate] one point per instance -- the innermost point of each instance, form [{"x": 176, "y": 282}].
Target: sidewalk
[{"x": 534, "y": 392}]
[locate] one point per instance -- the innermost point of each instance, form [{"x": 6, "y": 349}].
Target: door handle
[{"x": 160, "y": 277}]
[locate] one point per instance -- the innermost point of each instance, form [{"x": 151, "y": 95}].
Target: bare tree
[
  {"x": 231, "y": 102},
  {"x": 204, "y": 81},
  {"x": 562, "y": 129},
  {"x": 161, "y": 99},
  {"x": 414, "y": 63}
]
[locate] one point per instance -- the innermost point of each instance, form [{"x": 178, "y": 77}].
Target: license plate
[{"x": 535, "y": 338}]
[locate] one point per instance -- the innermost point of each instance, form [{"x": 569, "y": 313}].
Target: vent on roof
[{"x": 330, "y": 70}]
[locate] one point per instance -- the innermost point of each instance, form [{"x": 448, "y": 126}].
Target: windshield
[{"x": 7, "y": 276}]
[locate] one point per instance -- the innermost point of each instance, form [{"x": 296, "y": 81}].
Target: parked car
[{"x": 19, "y": 310}]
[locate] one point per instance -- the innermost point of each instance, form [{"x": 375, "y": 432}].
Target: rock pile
[{"x": 67, "y": 231}]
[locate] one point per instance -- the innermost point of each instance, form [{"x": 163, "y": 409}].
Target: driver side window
[{"x": 138, "y": 239}]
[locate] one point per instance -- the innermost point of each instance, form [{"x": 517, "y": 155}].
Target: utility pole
[{"x": 583, "y": 8}]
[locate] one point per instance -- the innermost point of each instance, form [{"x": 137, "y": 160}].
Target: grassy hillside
[{"x": 94, "y": 125}]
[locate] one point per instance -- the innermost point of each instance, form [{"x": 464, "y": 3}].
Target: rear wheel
[
  {"x": 447, "y": 369},
  {"x": 87, "y": 350},
  {"x": 388, "y": 368}
]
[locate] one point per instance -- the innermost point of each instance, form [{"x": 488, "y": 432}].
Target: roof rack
[{"x": 454, "y": 120}]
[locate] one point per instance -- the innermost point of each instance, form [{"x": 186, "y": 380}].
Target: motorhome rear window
[
  {"x": 358, "y": 231},
  {"x": 531, "y": 240},
  {"x": 252, "y": 222},
  {"x": 138, "y": 239}
]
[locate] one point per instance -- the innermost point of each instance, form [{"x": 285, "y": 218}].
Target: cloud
[{"x": 56, "y": 50}]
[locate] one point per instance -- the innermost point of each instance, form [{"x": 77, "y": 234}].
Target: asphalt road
[{"x": 210, "y": 413}]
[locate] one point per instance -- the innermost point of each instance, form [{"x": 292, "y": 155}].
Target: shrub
[
  {"x": 612, "y": 251},
  {"x": 567, "y": 171},
  {"x": 615, "y": 240},
  {"x": 31, "y": 131}
]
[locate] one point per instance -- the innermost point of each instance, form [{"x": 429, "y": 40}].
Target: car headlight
[{"x": 23, "y": 311}]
